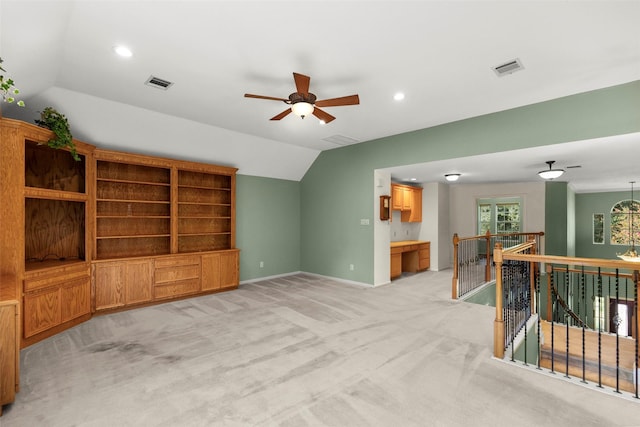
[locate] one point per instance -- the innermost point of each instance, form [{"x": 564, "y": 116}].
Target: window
[
  {"x": 598, "y": 229},
  {"x": 620, "y": 222},
  {"x": 500, "y": 216}
]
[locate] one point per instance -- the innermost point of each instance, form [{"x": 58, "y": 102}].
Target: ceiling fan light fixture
[
  {"x": 550, "y": 173},
  {"x": 302, "y": 109},
  {"x": 452, "y": 177}
]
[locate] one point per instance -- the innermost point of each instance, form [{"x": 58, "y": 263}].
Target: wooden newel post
[
  {"x": 498, "y": 324},
  {"x": 487, "y": 268},
  {"x": 454, "y": 281}
]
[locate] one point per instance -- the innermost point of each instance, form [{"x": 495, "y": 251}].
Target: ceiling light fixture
[
  {"x": 398, "y": 96},
  {"x": 452, "y": 177},
  {"x": 631, "y": 254},
  {"x": 302, "y": 109},
  {"x": 551, "y": 173},
  {"x": 123, "y": 51}
]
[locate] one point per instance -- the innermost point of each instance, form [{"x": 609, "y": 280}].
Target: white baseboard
[{"x": 337, "y": 279}]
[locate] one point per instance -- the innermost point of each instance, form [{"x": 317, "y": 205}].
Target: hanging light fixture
[
  {"x": 551, "y": 173},
  {"x": 302, "y": 109},
  {"x": 631, "y": 254}
]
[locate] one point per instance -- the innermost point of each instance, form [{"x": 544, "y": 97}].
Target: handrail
[
  {"x": 588, "y": 349},
  {"x": 471, "y": 267}
]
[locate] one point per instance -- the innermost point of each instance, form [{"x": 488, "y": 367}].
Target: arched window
[{"x": 621, "y": 214}]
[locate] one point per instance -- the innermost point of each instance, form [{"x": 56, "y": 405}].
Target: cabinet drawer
[
  {"x": 176, "y": 261},
  {"x": 174, "y": 289},
  {"x": 396, "y": 250},
  {"x": 174, "y": 274},
  {"x": 42, "y": 281}
]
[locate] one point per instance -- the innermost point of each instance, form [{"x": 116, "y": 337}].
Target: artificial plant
[{"x": 58, "y": 124}]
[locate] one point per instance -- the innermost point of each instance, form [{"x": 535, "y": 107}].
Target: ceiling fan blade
[
  {"x": 281, "y": 115},
  {"x": 250, "y": 95},
  {"x": 335, "y": 102},
  {"x": 324, "y": 116},
  {"x": 302, "y": 83}
]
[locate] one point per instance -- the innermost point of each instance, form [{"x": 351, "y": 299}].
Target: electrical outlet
[
  {"x": 351, "y": 267},
  {"x": 261, "y": 264}
]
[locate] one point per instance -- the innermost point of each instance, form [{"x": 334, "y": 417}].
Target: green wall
[
  {"x": 267, "y": 226},
  {"x": 556, "y": 218},
  {"x": 586, "y": 205},
  {"x": 337, "y": 191}
]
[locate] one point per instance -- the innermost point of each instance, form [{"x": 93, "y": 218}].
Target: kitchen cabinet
[{"x": 408, "y": 200}]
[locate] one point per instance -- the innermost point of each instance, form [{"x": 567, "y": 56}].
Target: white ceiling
[{"x": 440, "y": 53}]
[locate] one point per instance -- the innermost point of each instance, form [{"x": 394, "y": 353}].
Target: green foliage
[
  {"x": 625, "y": 218},
  {"x": 58, "y": 124},
  {"x": 8, "y": 89}
]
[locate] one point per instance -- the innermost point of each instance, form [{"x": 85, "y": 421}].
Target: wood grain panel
[
  {"x": 54, "y": 229},
  {"x": 53, "y": 169},
  {"x": 139, "y": 281},
  {"x": 211, "y": 272},
  {"x": 140, "y": 246},
  {"x": 132, "y": 226},
  {"x": 131, "y": 191},
  {"x": 41, "y": 311},
  {"x": 109, "y": 285},
  {"x": 9, "y": 352},
  {"x": 229, "y": 269},
  {"x": 175, "y": 289},
  {"x": 131, "y": 172},
  {"x": 204, "y": 225},
  {"x": 75, "y": 299},
  {"x": 204, "y": 243},
  {"x": 172, "y": 274}
]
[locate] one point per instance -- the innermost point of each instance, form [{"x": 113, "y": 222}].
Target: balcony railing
[
  {"x": 473, "y": 264},
  {"x": 564, "y": 313}
]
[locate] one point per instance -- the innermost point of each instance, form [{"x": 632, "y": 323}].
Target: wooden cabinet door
[
  {"x": 9, "y": 352},
  {"x": 75, "y": 299},
  {"x": 41, "y": 311},
  {"x": 228, "y": 269},
  {"x": 397, "y": 197},
  {"x": 219, "y": 270},
  {"x": 210, "y": 272},
  {"x": 109, "y": 285},
  {"x": 138, "y": 281},
  {"x": 416, "y": 206},
  {"x": 407, "y": 199},
  {"x": 396, "y": 265}
]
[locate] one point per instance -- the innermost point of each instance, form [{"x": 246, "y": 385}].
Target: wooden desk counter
[{"x": 410, "y": 256}]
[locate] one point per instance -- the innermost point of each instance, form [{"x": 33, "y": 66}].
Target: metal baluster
[
  {"x": 616, "y": 321},
  {"x": 553, "y": 315},
  {"x": 584, "y": 303},
  {"x": 566, "y": 321},
  {"x": 599, "y": 329},
  {"x": 539, "y": 315}
]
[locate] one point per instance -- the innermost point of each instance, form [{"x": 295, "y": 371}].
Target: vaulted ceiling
[{"x": 440, "y": 54}]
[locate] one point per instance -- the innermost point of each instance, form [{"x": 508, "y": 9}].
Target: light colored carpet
[{"x": 298, "y": 351}]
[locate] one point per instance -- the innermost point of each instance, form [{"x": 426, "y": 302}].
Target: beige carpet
[{"x": 299, "y": 351}]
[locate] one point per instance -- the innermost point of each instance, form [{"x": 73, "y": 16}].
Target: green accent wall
[
  {"x": 337, "y": 191},
  {"x": 586, "y": 205},
  {"x": 556, "y": 218},
  {"x": 267, "y": 226}
]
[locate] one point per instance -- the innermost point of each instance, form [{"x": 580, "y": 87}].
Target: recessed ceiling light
[
  {"x": 398, "y": 96},
  {"x": 322, "y": 122},
  {"x": 123, "y": 51}
]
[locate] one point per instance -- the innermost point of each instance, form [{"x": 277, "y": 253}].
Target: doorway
[{"x": 622, "y": 314}]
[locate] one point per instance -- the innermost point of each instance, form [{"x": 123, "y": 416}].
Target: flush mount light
[
  {"x": 123, "y": 51},
  {"x": 451, "y": 177},
  {"x": 398, "y": 96},
  {"x": 551, "y": 173},
  {"x": 302, "y": 109}
]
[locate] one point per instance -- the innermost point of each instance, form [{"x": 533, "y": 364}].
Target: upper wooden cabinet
[{"x": 408, "y": 200}]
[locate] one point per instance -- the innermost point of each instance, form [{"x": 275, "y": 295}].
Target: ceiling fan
[{"x": 304, "y": 102}]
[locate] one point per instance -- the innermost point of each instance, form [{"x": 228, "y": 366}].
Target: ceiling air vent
[
  {"x": 158, "y": 83},
  {"x": 340, "y": 140},
  {"x": 508, "y": 67}
]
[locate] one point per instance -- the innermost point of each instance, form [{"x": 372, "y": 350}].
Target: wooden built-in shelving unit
[{"x": 114, "y": 230}]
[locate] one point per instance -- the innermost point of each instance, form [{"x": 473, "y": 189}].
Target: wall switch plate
[
  {"x": 364, "y": 221},
  {"x": 351, "y": 267},
  {"x": 261, "y": 264}
]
